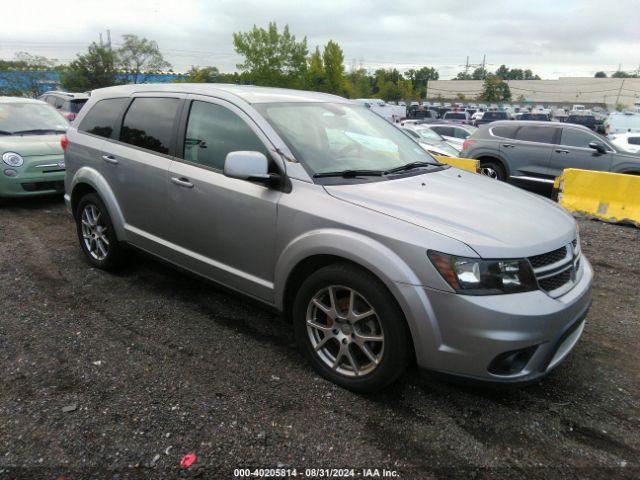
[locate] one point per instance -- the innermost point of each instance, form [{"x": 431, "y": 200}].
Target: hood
[
  {"x": 31, "y": 145},
  {"x": 495, "y": 219}
]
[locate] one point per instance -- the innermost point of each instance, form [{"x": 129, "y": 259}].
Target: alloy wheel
[
  {"x": 94, "y": 232},
  {"x": 489, "y": 172},
  {"x": 345, "y": 331}
]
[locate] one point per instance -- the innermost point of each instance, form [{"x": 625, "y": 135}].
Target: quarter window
[
  {"x": 102, "y": 117},
  {"x": 536, "y": 134},
  {"x": 213, "y": 131},
  {"x": 572, "y": 137},
  {"x": 634, "y": 140},
  {"x": 148, "y": 123}
]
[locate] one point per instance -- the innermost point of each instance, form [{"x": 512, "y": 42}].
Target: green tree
[
  {"x": 622, "y": 74},
  {"x": 479, "y": 74},
  {"x": 495, "y": 89},
  {"x": 316, "y": 75},
  {"x": 272, "y": 58},
  {"x": 200, "y": 75},
  {"x": 463, "y": 76},
  {"x": 600, "y": 75},
  {"x": 420, "y": 77},
  {"x": 94, "y": 69},
  {"x": 333, "y": 60},
  {"x": 360, "y": 84},
  {"x": 139, "y": 57}
]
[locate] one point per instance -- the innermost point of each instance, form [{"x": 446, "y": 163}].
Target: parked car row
[{"x": 326, "y": 212}]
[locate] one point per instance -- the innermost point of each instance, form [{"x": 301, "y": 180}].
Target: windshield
[
  {"x": 455, "y": 116},
  {"x": 329, "y": 137},
  {"x": 27, "y": 117},
  {"x": 494, "y": 115}
]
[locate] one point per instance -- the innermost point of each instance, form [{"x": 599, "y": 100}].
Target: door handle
[
  {"x": 508, "y": 145},
  {"x": 560, "y": 150},
  {"x": 110, "y": 159},
  {"x": 183, "y": 182}
]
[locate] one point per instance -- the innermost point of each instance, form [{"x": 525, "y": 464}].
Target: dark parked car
[
  {"x": 68, "y": 104},
  {"x": 492, "y": 116},
  {"x": 539, "y": 151},
  {"x": 588, "y": 121},
  {"x": 420, "y": 112},
  {"x": 540, "y": 117}
]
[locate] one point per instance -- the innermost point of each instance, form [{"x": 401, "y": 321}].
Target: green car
[{"x": 31, "y": 156}]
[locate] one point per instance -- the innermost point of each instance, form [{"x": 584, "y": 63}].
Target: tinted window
[
  {"x": 572, "y": 137},
  {"x": 76, "y": 105},
  {"x": 213, "y": 131},
  {"x": 586, "y": 120},
  {"x": 634, "y": 140},
  {"x": 148, "y": 123},
  {"x": 446, "y": 131},
  {"x": 101, "y": 119},
  {"x": 455, "y": 116},
  {"x": 494, "y": 115},
  {"x": 504, "y": 131},
  {"x": 536, "y": 134},
  {"x": 461, "y": 133}
]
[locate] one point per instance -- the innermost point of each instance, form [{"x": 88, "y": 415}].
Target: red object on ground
[{"x": 188, "y": 460}]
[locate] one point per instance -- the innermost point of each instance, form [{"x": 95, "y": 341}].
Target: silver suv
[{"x": 377, "y": 254}]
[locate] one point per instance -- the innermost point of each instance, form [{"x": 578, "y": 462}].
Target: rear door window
[
  {"x": 572, "y": 137},
  {"x": 213, "y": 131},
  {"x": 504, "y": 131},
  {"x": 149, "y": 122},
  {"x": 101, "y": 119},
  {"x": 536, "y": 134}
]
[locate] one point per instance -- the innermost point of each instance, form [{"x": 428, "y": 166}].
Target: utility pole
[
  {"x": 109, "y": 39},
  {"x": 619, "y": 92},
  {"x": 466, "y": 67},
  {"x": 100, "y": 34}
]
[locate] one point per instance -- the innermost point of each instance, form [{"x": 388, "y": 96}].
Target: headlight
[
  {"x": 12, "y": 159},
  {"x": 474, "y": 276}
]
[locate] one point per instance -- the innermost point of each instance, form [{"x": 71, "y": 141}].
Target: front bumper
[
  {"x": 464, "y": 333},
  {"x": 42, "y": 176}
]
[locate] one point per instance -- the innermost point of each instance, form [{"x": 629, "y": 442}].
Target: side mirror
[
  {"x": 598, "y": 147},
  {"x": 246, "y": 166}
]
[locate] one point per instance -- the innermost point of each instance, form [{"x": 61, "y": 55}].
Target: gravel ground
[{"x": 120, "y": 375}]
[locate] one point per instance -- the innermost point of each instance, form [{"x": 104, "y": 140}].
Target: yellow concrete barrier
[
  {"x": 612, "y": 197},
  {"x": 463, "y": 163}
]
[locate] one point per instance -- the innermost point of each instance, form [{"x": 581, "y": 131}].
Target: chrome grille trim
[{"x": 564, "y": 270}]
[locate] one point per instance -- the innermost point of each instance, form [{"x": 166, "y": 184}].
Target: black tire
[
  {"x": 489, "y": 168},
  {"x": 396, "y": 348},
  {"x": 114, "y": 255}
]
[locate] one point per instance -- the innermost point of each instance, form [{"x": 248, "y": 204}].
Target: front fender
[
  {"x": 94, "y": 179},
  {"x": 358, "y": 248},
  {"x": 391, "y": 269}
]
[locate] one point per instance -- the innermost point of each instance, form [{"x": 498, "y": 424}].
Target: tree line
[{"x": 270, "y": 58}]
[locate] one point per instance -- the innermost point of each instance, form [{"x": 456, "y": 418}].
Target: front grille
[
  {"x": 557, "y": 269},
  {"x": 549, "y": 258},
  {"x": 553, "y": 283},
  {"x": 42, "y": 186}
]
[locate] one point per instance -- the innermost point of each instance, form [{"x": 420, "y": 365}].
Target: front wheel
[
  {"x": 351, "y": 329},
  {"x": 97, "y": 237}
]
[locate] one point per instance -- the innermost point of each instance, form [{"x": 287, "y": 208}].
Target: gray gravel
[{"x": 120, "y": 375}]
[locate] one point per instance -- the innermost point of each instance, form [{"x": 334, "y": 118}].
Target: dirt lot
[{"x": 119, "y": 376}]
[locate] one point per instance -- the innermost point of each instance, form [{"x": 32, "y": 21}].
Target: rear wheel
[
  {"x": 97, "y": 237},
  {"x": 351, "y": 329},
  {"x": 493, "y": 170}
]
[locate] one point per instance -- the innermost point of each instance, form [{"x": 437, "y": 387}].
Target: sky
[{"x": 553, "y": 38}]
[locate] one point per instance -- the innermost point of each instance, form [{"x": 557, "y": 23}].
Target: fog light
[
  {"x": 10, "y": 172},
  {"x": 510, "y": 363}
]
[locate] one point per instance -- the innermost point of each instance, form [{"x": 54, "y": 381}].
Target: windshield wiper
[
  {"x": 4, "y": 132},
  {"x": 351, "y": 173},
  {"x": 38, "y": 131},
  {"x": 412, "y": 165}
]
